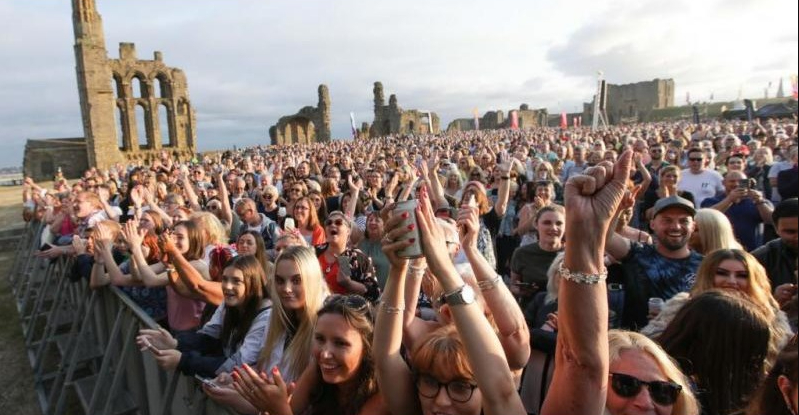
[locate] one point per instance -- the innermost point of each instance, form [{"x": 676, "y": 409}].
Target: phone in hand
[
  {"x": 206, "y": 381},
  {"x": 45, "y": 247},
  {"x": 289, "y": 224},
  {"x": 743, "y": 184}
]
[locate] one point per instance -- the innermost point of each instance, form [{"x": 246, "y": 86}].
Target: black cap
[{"x": 673, "y": 201}]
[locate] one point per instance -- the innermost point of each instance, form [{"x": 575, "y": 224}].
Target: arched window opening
[
  {"x": 136, "y": 87},
  {"x": 163, "y": 125},
  {"x": 119, "y": 122},
  {"x": 119, "y": 89},
  {"x": 162, "y": 86},
  {"x": 141, "y": 127}
]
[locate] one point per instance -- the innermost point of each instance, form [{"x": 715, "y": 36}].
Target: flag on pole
[
  {"x": 352, "y": 124},
  {"x": 514, "y": 120},
  {"x": 579, "y": 120},
  {"x": 794, "y": 89}
]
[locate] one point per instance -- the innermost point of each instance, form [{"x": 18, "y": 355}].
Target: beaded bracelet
[
  {"x": 391, "y": 310},
  {"x": 582, "y": 278},
  {"x": 489, "y": 284}
]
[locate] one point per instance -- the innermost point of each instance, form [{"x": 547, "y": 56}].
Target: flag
[
  {"x": 574, "y": 122},
  {"x": 794, "y": 89},
  {"x": 579, "y": 120},
  {"x": 563, "y": 122},
  {"x": 514, "y": 120},
  {"x": 476, "y": 116},
  {"x": 352, "y": 124}
]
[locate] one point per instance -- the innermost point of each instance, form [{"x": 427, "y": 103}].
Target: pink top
[{"x": 183, "y": 313}]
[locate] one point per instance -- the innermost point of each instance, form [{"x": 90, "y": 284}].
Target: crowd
[{"x": 639, "y": 269}]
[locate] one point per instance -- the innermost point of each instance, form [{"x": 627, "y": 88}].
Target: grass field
[{"x": 16, "y": 382}]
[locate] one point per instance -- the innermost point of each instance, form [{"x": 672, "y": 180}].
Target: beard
[{"x": 672, "y": 245}]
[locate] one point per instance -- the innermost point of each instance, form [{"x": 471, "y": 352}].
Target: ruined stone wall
[
  {"x": 309, "y": 125},
  {"x": 631, "y": 102},
  {"x": 43, "y": 158},
  {"x": 494, "y": 120},
  {"x": 392, "y": 119},
  {"x": 110, "y": 92}
]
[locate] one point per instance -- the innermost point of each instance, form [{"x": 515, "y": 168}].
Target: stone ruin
[
  {"x": 392, "y": 119},
  {"x": 494, "y": 120},
  {"x": 631, "y": 103},
  {"x": 309, "y": 125},
  {"x": 116, "y": 96}
]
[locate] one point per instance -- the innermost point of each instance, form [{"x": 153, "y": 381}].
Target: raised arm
[
  {"x": 192, "y": 275},
  {"x": 393, "y": 375},
  {"x": 483, "y": 349},
  {"x": 579, "y": 384},
  {"x": 513, "y": 332},
  {"x": 224, "y": 198},
  {"x": 504, "y": 189},
  {"x": 151, "y": 276}
]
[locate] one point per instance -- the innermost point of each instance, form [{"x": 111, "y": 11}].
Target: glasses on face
[
  {"x": 301, "y": 207},
  {"x": 213, "y": 207},
  {"x": 656, "y": 150},
  {"x": 457, "y": 390},
  {"x": 337, "y": 222},
  {"x": 696, "y": 159},
  {"x": 268, "y": 196},
  {"x": 662, "y": 393}
]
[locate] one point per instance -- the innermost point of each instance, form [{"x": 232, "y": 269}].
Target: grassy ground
[{"x": 17, "y": 395}]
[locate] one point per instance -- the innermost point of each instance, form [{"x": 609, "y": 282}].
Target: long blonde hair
[
  {"x": 297, "y": 353},
  {"x": 714, "y": 231},
  {"x": 620, "y": 341}
]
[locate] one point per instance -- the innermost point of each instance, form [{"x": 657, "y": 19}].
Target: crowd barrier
[{"x": 80, "y": 344}]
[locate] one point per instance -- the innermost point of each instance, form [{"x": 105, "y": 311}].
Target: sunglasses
[
  {"x": 662, "y": 393},
  {"x": 352, "y": 301},
  {"x": 337, "y": 222},
  {"x": 696, "y": 159}
]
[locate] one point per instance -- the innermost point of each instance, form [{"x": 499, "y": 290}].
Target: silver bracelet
[
  {"x": 489, "y": 284},
  {"x": 391, "y": 310},
  {"x": 582, "y": 278}
]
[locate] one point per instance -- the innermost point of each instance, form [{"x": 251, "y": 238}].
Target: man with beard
[
  {"x": 662, "y": 269},
  {"x": 779, "y": 256}
]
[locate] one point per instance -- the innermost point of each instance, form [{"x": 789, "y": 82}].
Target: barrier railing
[{"x": 80, "y": 343}]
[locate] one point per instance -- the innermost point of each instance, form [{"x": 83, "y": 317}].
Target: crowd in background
[{"x": 638, "y": 269}]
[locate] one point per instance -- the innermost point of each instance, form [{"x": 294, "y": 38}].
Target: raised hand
[
  {"x": 433, "y": 241},
  {"x": 132, "y": 234},
  {"x": 264, "y": 393},
  {"x": 468, "y": 225}
]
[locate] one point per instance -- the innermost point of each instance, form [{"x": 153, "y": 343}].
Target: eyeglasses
[
  {"x": 337, "y": 222},
  {"x": 213, "y": 207},
  {"x": 457, "y": 390},
  {"x": 352, "y": 301},
  {"x": 696, "y": 159},
  {"x": 301, "y": 207},
  {"x": 268, "y": 196},
  {"x": 662, "y": 393}
]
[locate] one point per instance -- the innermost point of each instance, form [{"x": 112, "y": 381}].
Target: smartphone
[
  {"x": 743, "y": 184},
  {"x": 409, "y": 207},
  {"x": 45, "y": 247},
  {"x": 206, "y": 381},
  {"x": 288, "y": 224}
]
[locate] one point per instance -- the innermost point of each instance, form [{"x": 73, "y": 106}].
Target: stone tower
[
  {"x": 380, "y": 99},
  {"x": 94, "y": 84},
  {"x": 323, "y": 131}
]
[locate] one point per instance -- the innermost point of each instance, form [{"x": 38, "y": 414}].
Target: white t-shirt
[
  {"x": 708, "y": 183},
  {"x": 773, "y": 172}
]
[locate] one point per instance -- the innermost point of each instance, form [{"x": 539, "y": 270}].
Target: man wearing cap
[
  {"x": 662, "y": 269},
  {"x": 699, "y": 180},
  {"x": 746, "y": 208},
  {"x": 779, "y": 256}
]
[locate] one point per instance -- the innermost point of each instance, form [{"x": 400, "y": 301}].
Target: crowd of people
[{"x": 638, "y": 269}]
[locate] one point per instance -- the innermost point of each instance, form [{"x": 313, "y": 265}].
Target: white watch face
[{"x": 468, "y": 294}]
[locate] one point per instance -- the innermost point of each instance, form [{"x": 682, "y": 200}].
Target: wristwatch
[{"x": 464, "y": 295}]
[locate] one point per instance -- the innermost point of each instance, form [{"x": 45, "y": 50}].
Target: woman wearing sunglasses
[
  {"x": 595, "y": 371},
  {"x": 346, "y": 270},
  {"x": 343, "y": 379}
]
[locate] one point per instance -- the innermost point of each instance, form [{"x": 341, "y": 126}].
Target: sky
[{"x": 249, "y": 62}]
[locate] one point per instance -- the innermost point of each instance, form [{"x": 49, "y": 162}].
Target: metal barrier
[{"x": 80, "y": 343}]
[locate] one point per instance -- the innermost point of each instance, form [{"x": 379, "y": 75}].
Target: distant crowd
[{"x": 638, "y": 269}]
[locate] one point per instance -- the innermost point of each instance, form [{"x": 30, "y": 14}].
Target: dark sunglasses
[
  {"x": 337, "y": 222},
  {"x": 662, "y": 393},
  {"x": 696, "y": 159},
  {"x": 352, "y": 301}
]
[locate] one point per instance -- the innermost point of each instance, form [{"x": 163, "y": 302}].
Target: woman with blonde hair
[
  {"x": 298, "y": 292},
  {"x": 713, "y": 231},
  {"x": 734, "y": 270},
  {"x": 627, "y": 351},
  {"x": 213, "y": 232},
  {"x": 668, "y": 178}
]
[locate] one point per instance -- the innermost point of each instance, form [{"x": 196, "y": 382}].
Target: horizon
[{"x": 484, "y": 58}]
